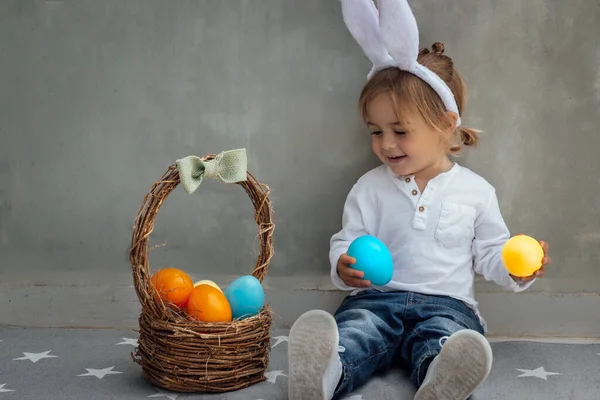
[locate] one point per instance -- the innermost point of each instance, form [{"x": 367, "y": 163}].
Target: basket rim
[{"x": 144, "y": 226}]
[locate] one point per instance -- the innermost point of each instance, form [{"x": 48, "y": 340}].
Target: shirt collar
[{"x": 451, "y": 172}]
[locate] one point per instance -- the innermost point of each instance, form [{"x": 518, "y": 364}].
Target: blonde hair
[{"x": 411, "y": 94}]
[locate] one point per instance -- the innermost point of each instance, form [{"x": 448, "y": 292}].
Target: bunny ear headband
[{"x": 390, "y": 38}]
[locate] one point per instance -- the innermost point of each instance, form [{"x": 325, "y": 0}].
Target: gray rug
[{"x": 96, "y": 364}]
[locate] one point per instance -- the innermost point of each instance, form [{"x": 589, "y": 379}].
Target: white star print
[
  {"x": 273, "y": 375},
  {"x": 2, "y": 390},
  {"x": 35, "y": 357},
  {"x": 133, "y": 342},
  {"x": 168, "y": 396},
  {"x": 100, "y": 373},
  {"x": 537, "y": 373},
  {"x": 279, "y": 340}
]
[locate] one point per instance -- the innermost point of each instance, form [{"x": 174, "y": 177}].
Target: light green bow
[{"x": 228, "y": 167}]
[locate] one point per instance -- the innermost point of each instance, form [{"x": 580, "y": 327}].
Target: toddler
[{"x": 440, "y": 221}]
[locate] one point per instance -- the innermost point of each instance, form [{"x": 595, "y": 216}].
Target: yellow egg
[
  {"x": 210, "y": 283},
  {"x": 522, "y": 255}
]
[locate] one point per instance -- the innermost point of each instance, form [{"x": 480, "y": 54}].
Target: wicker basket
[{"x": 184, "y": 355}]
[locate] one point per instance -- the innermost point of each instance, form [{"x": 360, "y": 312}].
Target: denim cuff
[
  {"x": 341, "y": 388},
  {"x": 416, "y": 375}
]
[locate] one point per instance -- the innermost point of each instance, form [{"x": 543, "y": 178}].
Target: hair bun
[{"x": 438, "y": 48}]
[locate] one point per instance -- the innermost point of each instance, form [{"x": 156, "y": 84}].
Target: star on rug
[
  {"x": 2, "y": 390},
  {"x": 537, "y": 373},
  {"x": 133, "y": 342},
  {"x": 100, "y": 373},
  {"x": 279, "y": 340},
  {"x": 273, "y": 375},
  {"x": 35, "y": 357},
  {"x": 169, "y": 396}
]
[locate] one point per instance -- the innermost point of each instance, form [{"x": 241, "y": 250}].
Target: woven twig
[{"x": 185, "y": 355}]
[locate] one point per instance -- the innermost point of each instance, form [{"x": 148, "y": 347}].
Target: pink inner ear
[{"x": 399, "y": 32}]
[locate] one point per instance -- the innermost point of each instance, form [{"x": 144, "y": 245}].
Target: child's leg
[
  {"x": 448, "y": 353},
  {"x": 331, "y": 356},
  {"x": 461, "y": 366}
]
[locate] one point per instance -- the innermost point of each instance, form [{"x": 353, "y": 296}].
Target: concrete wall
[{"x": 97, "y": 98}]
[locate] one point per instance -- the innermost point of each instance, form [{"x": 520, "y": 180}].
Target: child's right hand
[{"x": 350, "y": 276}]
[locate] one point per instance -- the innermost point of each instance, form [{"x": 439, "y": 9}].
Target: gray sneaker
[
  {"x": 315, "y": 368},
  {"x": 463, "y": 364}
]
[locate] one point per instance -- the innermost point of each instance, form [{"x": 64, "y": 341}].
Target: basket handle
[{"x": 229, "y": 167}]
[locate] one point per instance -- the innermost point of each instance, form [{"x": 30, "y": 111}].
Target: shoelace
[{"x": 443, "y": 340}]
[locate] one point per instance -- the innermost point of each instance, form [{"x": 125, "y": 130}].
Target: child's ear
[
  {"x": 448, "y": 133},
  {"x": 453, "y": 118}
]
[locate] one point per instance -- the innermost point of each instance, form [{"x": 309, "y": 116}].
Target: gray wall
[{"x": 97, "y": 98}]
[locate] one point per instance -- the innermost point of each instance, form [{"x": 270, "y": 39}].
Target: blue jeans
[{"x": 379, "y": 330}]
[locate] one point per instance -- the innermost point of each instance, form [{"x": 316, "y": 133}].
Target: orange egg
[
  {"x": 208, "y": 304},
  {"x": 173, "y": 285}
]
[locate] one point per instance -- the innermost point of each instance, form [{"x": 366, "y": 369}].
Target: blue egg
[
  {"x": 246, "y": 297},
  {"x": 373, "y": 258}
]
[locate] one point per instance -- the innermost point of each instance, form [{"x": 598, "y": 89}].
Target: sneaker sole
[
  {"x": 312, "y": 344},
  {"x": 464, "y": 363}
]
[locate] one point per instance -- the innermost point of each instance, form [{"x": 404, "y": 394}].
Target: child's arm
[
  {"x": 353, "y": 226},
  {"x": 491, "y": 233}
]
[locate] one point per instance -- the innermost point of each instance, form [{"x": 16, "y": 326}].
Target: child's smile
[{"x": 395, "y": 160}]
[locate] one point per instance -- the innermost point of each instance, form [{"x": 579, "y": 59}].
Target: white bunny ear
[
  {"x": 400, "y": 35},
  {"x": 392, "y": 39},
  {"x": 399, "y": 32},
  {"x": 361, "y": 19}
]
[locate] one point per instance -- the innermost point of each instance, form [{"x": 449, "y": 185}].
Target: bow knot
[{"x": 228, "y": 167}]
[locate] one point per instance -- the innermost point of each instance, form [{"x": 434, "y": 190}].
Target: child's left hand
[{"x": 540, "y": 272}]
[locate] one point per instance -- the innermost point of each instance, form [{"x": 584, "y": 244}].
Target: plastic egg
[
  {"x": 522, "y": 255},
  {"x": 373, "y": 258},
  {"x": 246, "y": 296},
  {"x": 210, "y": 283},
  {"x": 173, "y": 286},
  {"x": 208, "y": 304}
]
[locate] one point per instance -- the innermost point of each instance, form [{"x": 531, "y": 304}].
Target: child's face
[{"x": 413, "y": 148}]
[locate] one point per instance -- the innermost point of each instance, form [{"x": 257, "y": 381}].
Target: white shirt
[{"x": 438, "y": 239}]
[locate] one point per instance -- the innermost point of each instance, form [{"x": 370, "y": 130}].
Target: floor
[{"x": 96, "y": 364}]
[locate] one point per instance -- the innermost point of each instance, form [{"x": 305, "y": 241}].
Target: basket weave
[{"x": 185, "y": 355}]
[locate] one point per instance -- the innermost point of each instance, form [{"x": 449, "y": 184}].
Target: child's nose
[{"x": 388, "y": 142}]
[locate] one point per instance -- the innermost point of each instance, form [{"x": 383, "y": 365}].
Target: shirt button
[
  {"x": 407, "y": 180},
  {"x": 421, "y": 208},
  {"x": 414, "y": 192}
]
